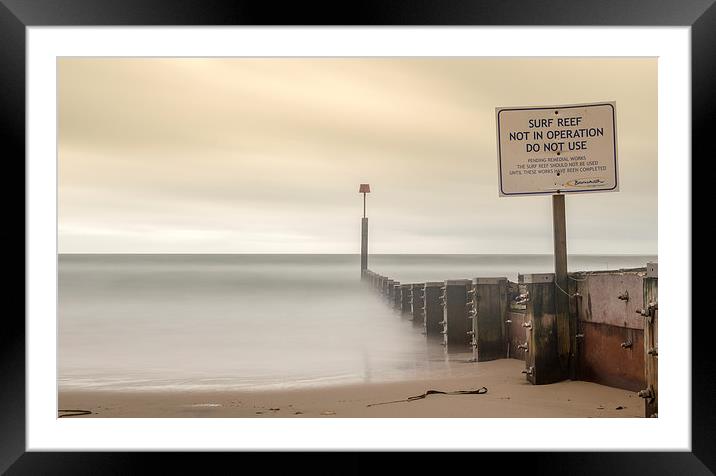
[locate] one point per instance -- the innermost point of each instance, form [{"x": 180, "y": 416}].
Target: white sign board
[{"x": 557, "y": 149}]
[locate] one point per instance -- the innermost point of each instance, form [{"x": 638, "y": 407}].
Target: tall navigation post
[{"x": 364, "y": 189}]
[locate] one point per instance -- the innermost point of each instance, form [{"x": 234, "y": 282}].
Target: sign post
[
  {"x": 561, "y": 297},
  {"x": 556, "y": 150}
]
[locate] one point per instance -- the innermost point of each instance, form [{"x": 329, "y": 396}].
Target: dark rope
[
  {"x": 479, "y": 391},
  {"x": 71, "y": 413}
]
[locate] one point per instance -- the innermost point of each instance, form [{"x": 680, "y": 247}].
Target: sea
[{"x": 172, "y": 322}]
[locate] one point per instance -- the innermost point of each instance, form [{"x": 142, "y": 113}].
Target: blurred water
[{"x": 148, "y": 322}]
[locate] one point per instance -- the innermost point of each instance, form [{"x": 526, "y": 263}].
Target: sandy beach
[{"x": 508, "y": 395}]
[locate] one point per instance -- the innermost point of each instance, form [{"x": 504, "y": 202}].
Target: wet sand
[{"x": 509, "y": 395}]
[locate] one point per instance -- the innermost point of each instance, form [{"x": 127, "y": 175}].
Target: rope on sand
[
  {"x": 71, "y": 413},
  {"x": 479, "y": 391}
]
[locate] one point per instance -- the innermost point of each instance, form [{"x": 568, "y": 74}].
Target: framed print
[{"x": 413, "y": 228}]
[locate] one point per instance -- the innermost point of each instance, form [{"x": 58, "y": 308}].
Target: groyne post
[
  {"x": 455, "y": 314},
  {"x": 388, "y": 289},
  {"x": 396, "y": 296},
  {"x": 405, "y": 298},
  {"x": 542, "y": 357},
  {"x": 433, "y": 309},
  {"x": 650, "y": 312},
  {"x": 489, "y": 301},
  {"x": 417, "y": 303}
]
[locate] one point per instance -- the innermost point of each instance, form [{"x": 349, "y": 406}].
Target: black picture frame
[{"x": 16, "y": 15}]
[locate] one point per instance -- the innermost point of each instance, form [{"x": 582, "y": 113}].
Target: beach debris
[
  {"x": 274, "y": 409},
  {"x": 600, "y": 407},
  {"x": 328, "y": 412},
  {"x": 479, "y": 391},
  {"x": 620, "y": 408},
  {"x": 259, "y": 413},
  {"x": 298, "y": 413},
  {"x": 72, "y": 413}
]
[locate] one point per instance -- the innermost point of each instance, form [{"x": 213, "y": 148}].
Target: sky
[{"x": 265, "y": 155}]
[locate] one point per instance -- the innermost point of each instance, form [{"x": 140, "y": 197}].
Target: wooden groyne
[{"x": 609, "y": 336}]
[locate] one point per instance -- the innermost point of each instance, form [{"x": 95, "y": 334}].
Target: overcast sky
[{"x": 265, "y": 155}]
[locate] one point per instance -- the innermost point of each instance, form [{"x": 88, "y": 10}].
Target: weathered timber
[
  {"x": 417, "y": 303},
  {"x": 542, "y": 362},
  {"x": 433, "y": 309},
  {"x": 490, "y": 303},
  {"x": 405, "y": 299},
  {"x": 388, "y": 289},
  {"x": 651, "y": 341},
  {"x": 566, "y": 328},
  {"x": 455, "y": 315}
]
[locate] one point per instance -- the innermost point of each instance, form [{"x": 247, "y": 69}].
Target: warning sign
[{"x": 557, "y": 149}]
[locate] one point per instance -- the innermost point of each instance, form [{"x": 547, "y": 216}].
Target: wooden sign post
[
  {"x": 561, "y": 298},
  {"x": 555, "y": 150}
]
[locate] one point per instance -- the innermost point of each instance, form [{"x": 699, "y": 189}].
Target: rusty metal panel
[
  {"x": 611, "y": 355},
  {"x": 610, "y": 298}
]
